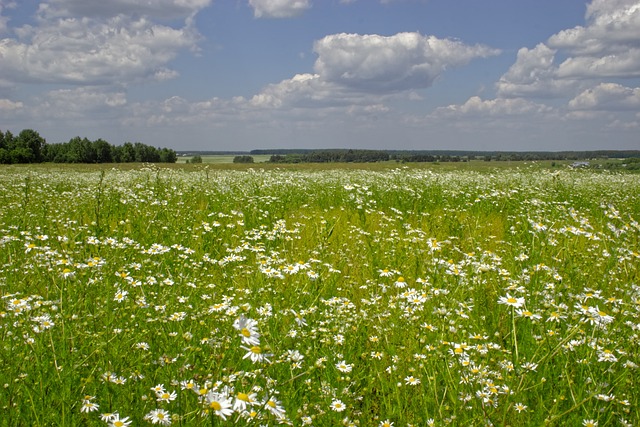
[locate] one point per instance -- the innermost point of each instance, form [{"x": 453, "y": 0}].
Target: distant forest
[
  {"x": 364, "y": 156},
  {"x": 30, "y": 147}
]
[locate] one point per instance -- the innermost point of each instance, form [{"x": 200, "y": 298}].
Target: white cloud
[
  {"x": 608, "y": 97},
  {"x": 309, "y": 91},
  {"x": 90, "y": 51},
  {"x": 279, "y": 8},
  {"x": 78, "y": 102},
  {"x": 612, "y": 26},
  {"x": 289, "y": 92},
  {"x": 304, "y": 98},
  {"x": 623, "y": 65},
  {"x": 607, "y": 46},
  {"x": 110, "y": 8},
  {"x": 499, "y": 107},
  {"x": 355, "y": 76},
  {"x": 7, "y": 105},
  {"x": 533, "y": 74},
  {"x": 404, "y": 61},
  {"x": 3, "y": 19}
]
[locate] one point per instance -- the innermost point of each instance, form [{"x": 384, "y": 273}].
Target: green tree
[
  {"x": 27, "y": 147},
  {"x": 168, "y": 156},
  {"x": 128, "y": 153},
  {"x": 4, "y": 152},
  {"x": 103, "y": 151},
  {"x": 243, "y": 159}
]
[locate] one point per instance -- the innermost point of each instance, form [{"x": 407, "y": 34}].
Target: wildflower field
[{"x": 393, "y": 297}]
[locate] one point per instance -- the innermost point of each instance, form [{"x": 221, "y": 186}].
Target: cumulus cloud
[
  {"x": 611, "y": 27},
  {"x": 106, "y": 9},
  {"x": 299, "y": 90},
  {"x": 7, "y": 105},
  {"x": 499, "y": 107},
  {"x": 3, "y": 19},
  {"x": 609, "y": 97},
  {"x": 90, "y": 51},
  {"x": 309, "y": 91},
  {"x": 100, "y": 42},
  {"x": 533, "y": 74},
  {"x": 279, "y": 8},
  {"x": 404, "y": 61},
  {"x": 607, "y": 46},
  {"x": 77, "y": 102},
  {"x": 303, "y": 98},
  {"x": 354, "y": 72},
  {"x": 623, "y": 65}
]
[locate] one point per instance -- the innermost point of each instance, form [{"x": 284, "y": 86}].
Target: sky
[{"x": 238, "y": 75}]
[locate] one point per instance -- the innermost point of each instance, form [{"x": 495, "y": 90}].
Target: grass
[{"x": 367, "y": 295}]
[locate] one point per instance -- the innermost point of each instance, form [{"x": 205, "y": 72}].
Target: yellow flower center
[
  {"x": 256, "y": 349},
  {"x": 215, "y": 406},
  {"x": 243, "y": 397},
  {"x": 245, "y": 332}
]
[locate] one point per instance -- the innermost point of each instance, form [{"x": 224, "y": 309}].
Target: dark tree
[{"x": 243, "y": 159}]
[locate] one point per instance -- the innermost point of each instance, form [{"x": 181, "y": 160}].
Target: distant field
[
  {"x": 227, "y": 160},
  {"x": 223, "y": 158},
  {"x": 470, "y": 165}
]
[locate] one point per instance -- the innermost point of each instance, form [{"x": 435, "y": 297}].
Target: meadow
[{"x": 399, "y": 296}]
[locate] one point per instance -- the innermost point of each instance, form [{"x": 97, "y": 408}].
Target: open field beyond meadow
[{"x": 321, "y": 297}]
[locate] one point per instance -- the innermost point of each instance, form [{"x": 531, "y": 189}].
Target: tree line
[
  {"x": 29, "y": 147},
  {"x": 343, "y": 155},
  {"x": 332, "y": 156}
]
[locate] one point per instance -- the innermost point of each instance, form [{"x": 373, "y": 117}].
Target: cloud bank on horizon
[{"x": 407, "y": 74}]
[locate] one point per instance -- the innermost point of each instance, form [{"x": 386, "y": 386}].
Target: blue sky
[{"x": 392, "y": 74}]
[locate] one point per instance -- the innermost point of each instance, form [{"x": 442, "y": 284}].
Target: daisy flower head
[
  {"x": 400, "y": 283},
  {"x": 274, "y": 407},
  {"x": 520, "y": 407},
  {"x": 88, "y": 405},
  {"x": 344, "y": 367},
  {"x": 158, "y": 389},
  {"x": 243, "y": 401},
  {"x": 385, "y": 423},
  {"x": 411, "y": 380},
  {"x": 515, "y": 302},
  {"x": 159, "y": 416},
  {"x": 256, "y": 354},
  {"x": 385, "y": 272},
  {"x": 116, "y": 421},
  {"x": 248, "y": 329},
  {"x": 107, "y": 417},
  {"x": 165, "y": 396},
  {"x": 120, "y": 295},
  {"x": 219, "y": 404},
  {"x": 337, "y": 405}
]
